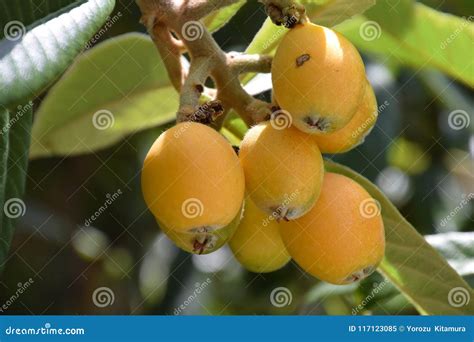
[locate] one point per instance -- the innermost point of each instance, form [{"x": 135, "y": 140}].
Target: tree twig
[
  {"x": 166, "y": 19},
  {"x": 241, "y": 63},
  {"x": 170, "y": 50}
]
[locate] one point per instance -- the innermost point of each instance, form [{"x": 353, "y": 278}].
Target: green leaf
[
  {"x": 427, "y": 39},
  {"x": 31, "y": 58},
  {"x": 14, "y": 142},
  {"x": 410, "y": 263},
  {"x": 392, "y": 16},
  {"x": 115, "y": 89},
  {"x": 448, "y": 94},
  {"x": 217, "y": 19},
  {"x": 326, "y": 13},
  {"x": 455, "y": 247}
]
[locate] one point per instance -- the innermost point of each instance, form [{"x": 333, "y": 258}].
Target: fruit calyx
[
  {"x": 318, "y": 123},
  {"x": 360, "y": 274},
  {"x": 204, "y": 239}
]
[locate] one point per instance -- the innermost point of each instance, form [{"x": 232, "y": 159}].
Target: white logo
[
  {"x": 192, "y": 30},
  {"x": 192, "y": 208},
  {"x": 281, "y": 119},
  {"x": 458, "y": 119},
  {"x": 370, "y": 30},
  {"x": 14, "y": 30},
  {"x": 14, "y": 208},
  {"x": 102, "y": 297},
  {"x": 458, "y": 296},
  {"x": 280, "y": 297},
  {"x": 369, "y": 208},
  {"x": 103, "y": 119}
]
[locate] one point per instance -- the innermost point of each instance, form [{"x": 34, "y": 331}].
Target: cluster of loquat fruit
[{"x": 195, "y": 184}]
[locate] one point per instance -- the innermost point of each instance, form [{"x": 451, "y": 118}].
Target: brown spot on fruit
[{"x": 302, "y": 59}]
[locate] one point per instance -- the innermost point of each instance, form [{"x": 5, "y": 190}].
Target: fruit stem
[
  {"x": 175, "y": 29},
  {"x": 287, "y": 13}
]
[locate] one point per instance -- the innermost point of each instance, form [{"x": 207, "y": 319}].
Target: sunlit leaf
[
  {"x": 117, "y": 88},
  {"x": 217, "y": 19}
]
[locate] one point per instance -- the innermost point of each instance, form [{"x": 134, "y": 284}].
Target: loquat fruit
[
  {"x": 283, "y": 170},
  {"x": 319, "y": 77},
  {"x": 341, "y": 240},
  {"x": 257, "y": 243}
]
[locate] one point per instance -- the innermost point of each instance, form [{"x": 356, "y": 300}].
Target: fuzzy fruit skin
[
  {"x": 192, "y": 178},
  {"x": 340, "y": 240},
  {"x": 322, "y": 93},
  {"x": 354, "y": 133},
  {"x": 257, "y": 243},
  {"x": 283, "y": 169},
  {"x": 202, "y": 242}
]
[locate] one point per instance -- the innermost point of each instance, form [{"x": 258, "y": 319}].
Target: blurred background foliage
[{"x": 419, "y": 162}]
